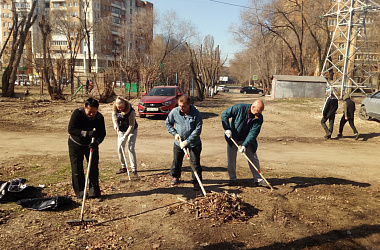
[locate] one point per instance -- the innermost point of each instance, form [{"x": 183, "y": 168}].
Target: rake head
[{"x": 81, "y": 222}]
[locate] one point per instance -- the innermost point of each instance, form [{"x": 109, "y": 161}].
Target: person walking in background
[
  {"x": 188, "y": 127},
  {"x": 245, "y": 126},
  {"x": 328, "y": 113},
  {"x": 348, "y": 115},
  {"x": 125, "y": 124},
  {"x": 81, "y": 131}
]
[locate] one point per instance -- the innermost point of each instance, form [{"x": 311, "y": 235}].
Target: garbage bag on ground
[{"x": 46, "y": 204}]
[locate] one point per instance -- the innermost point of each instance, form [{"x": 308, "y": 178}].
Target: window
[
  {"x": 4, "y": 24},
  {"x": 55, "y": 5},
  {"x": 10, "y": 25},
  {"x": 75, "y": 13},
  {"x": 70, "y": 4},
  {"x": 75, "y": 4},
  {"x": 340, "y": 57},
  {"x": 331, "y": 22},
  {"x": 5, "y": 33},
  {"x": 130, "y": 11}
]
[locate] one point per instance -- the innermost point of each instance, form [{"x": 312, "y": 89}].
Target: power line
[{"x": 236, "y": 5}]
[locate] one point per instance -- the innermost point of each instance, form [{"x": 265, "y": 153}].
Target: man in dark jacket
[
  {"x": 328, "y": 113},
  {"x": 348, "y": 115},
  {"x": 81, "y": 130},
  {"x": 245, "y": 126}
]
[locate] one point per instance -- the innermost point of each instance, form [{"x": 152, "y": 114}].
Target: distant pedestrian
[
  {"x": 328, "y": 113},
  {"x": 348, "y": 115}
]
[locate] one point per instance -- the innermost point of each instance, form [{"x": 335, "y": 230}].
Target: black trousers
[
  {"x": 195, "y": 157},
  {"x": 331, "y": 120},
  {"x": 77, "y": 154},
  {"x": 343, "y": 122}
]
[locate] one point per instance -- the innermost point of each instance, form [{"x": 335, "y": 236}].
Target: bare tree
[
  {"x": 20, "y": 34},
  {"x": 64, "y": 25},
  {"x": 49, "y": 78}
]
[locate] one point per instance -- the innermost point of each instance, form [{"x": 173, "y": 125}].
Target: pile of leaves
[{"x": 220, "y": 207}]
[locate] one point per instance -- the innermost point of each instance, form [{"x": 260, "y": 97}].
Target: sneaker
[
  {"x": 196, "y": 186},
  {"x": 175, "y": 181},
  {"x": 356, "y": 136},
  {"x": 260, "y": 184},
  {"x": 121, "y": 170}
]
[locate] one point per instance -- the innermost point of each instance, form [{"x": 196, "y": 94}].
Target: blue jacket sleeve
[{"x": 169, "y": 123}]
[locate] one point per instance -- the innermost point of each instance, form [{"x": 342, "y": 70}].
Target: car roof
[{"x": 169, "y": 87}]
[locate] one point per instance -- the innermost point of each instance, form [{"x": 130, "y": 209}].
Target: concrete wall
[{"x": 286, "y": 89}]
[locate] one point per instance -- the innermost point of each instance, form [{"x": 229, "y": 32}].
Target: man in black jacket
[
  {"x": 81, "y": 130},
  {"x": 328, "y": 113},
  {"x": 348, "y": 115}
]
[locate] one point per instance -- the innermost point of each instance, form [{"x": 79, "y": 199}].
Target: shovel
[
  {"x": 252, "y": 164},
  {"x": 81, "y": 221},
  {"x": 193, "y": 168}
]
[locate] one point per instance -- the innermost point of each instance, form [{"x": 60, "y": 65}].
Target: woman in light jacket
[{"x": 124, "y": 122}]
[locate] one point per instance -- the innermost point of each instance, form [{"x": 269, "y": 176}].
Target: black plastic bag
[{"x": 47, "y": 204}]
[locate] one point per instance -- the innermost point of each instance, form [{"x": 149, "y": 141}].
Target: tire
[
  {"x": 245, "y": 92},
  {"x": 363, "y": 113},
  {"x": 260, "y": 92},
  {"x": 142, "y": 116}
]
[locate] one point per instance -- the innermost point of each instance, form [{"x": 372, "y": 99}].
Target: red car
[{"x": 159, "y": 101}]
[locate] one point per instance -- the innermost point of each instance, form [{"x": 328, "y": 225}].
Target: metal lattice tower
[{"x": 347, "y": 66}]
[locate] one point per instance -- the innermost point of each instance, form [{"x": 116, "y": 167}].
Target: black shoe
[
  {"x": 121, "y": 170},
  {"x": 174, "y": 181},
  {"x": 356, "y": 136},
  {"x": 96, "y": 198},
  {"x": 232, "y": 183},
  {"x": 196, "y": 186},
  {"x": 339, "y": 136},
  {"x": 327, "y": 136}
]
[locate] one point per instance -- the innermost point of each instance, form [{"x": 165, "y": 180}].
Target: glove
[
  {"x": 85, "y": 133},
  {"x": 242, "y": 150},
  {"x": 94, "y": 145},
  {"x": 121, "y": 140},
  {"x": 183, "y": 144},
  {"x": 228, "y": 133},
  {"x": 120, "y": 134},
  {"x": 177, "y": 137}
]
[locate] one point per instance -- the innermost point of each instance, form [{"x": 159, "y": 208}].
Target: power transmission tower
[{"x": 347, "y": 66}]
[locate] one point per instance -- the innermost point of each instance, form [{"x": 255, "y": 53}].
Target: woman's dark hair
[{"x": 92, "y": 103}]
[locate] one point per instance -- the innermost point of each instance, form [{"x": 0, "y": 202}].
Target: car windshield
[{"x": 162, "y": 92}]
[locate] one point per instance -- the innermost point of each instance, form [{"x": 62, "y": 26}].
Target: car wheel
[
  {"x": 363, "y": 113},
  {"x": 142, "y": 116},
  {"x": 245, "y": 92},
  {"x": 260, "y": 92}
]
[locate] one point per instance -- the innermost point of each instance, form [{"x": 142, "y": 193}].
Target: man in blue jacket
[
  {"x": 245, "y": 126},
  {"x": 188, "y": 127}
]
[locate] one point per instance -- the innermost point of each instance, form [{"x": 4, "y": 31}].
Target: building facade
[{"x": 103, "y": 28}]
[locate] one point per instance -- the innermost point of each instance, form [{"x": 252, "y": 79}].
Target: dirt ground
[{"x": 326, "y": 191}]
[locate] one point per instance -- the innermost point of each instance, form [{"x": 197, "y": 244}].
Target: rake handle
[{"x": 193, "y": 168}]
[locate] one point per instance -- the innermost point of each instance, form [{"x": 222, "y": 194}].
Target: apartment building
[{"x": 108, "y": 23}]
